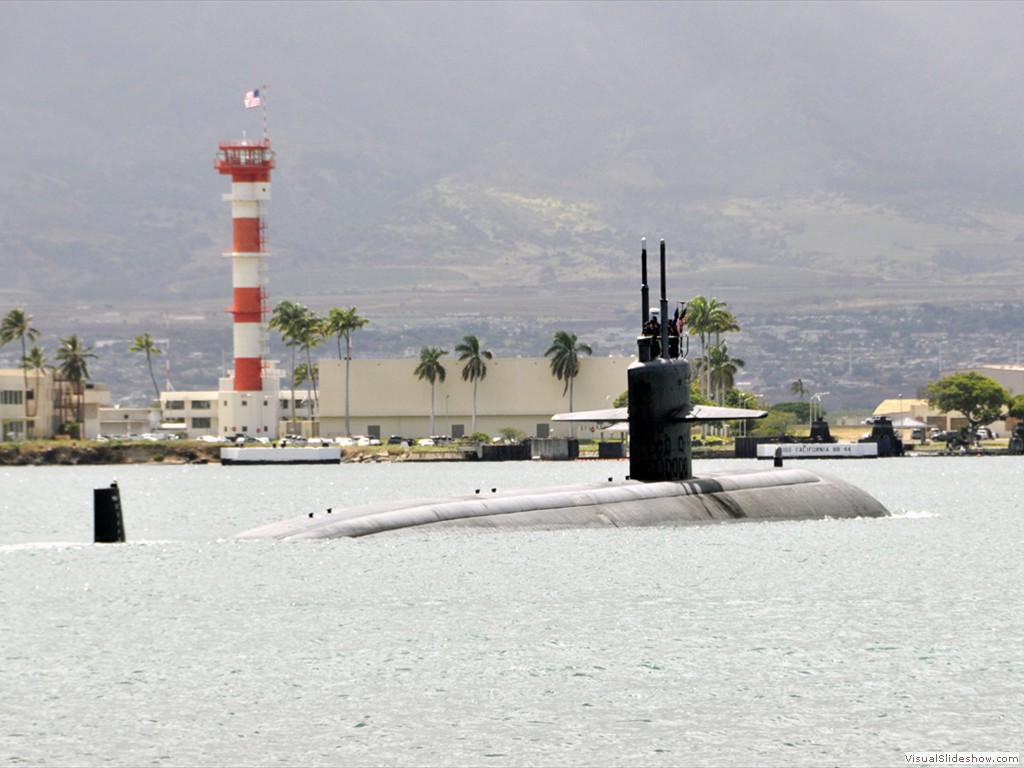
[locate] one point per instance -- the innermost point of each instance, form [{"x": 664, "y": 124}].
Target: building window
[
  {"x": 175, "y": 405},
  {"x": 458, "y": 430},
  {"x": 200, "y": 405},
  {"x": 201, "y": 423},
  {"x": 543, "y": 430},
  {"x": 245, "y": 403},
  {"x": 11, "y": 397},
  {"x": 373, "y": 430}
]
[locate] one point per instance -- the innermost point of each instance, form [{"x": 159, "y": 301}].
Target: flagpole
[{"x": 263, "y": 101}]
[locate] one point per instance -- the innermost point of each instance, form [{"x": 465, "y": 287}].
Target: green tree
[
  {"x": 721, "y": 320},
  {"x": 73, "y": 358},
  {"x": 36, "y": 362},
  {"x": 310, "y": 333},
  {"x": 512, "y": 435},
  {"x": 800, "y": 409},
  {"x": 1016, "y": 408},
  {"x": 430, "y": 368},
  {"x": 797, "y": 388},
  {"x": 145, "y": 343},
  {"x": 285, "y": 319},
  {"x": 775, "y": 424},
  {"x": 341, "y": 323},
  {"x": 722, "y": 369},
  {"x": 707, "y": 318},
  {"x": 475, "y": 369},
  {"x": 303, "y": 375},
  {"x": 698, "y": 321},
  {"x": 979, "y": 398},
  {"x": 17, "y": 326},
  {"x": 565, "y": 351}
]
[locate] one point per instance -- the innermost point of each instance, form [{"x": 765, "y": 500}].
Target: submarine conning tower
[{"x": 659, "y": 391}]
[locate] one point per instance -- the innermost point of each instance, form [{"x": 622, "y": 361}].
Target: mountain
[{"x": 433, "y": 155}]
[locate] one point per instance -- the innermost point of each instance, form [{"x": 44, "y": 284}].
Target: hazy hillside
[{"x": 792, "y": 154}]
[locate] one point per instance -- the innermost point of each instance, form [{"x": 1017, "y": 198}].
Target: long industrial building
[
  {"x": 518, "y": 393},
  {"x": 388, "y": 399}
]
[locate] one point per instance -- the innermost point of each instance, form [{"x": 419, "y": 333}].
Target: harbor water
[{"x": 795, "y": 643}]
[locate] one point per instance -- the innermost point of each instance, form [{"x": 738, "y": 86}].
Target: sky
[{"x": 633, "y": 112}]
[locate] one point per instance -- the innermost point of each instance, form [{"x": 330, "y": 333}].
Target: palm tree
[
  {"x": 285, "y": 320},
  {"x": 302, "y": 375},
  {"x": 74, "y": 368},
  {"x": 17, "y": 325},
  {"x": 145, "y": 343},
  {"x": 722, "y": 369},
  {"x": 309, "y": 331},
  {"x": 565, "y": 351},
  {"x": 698, "y": 314},
  {"x": 721, "y": 320},
  {"x": 430, "y": 368},
  {"x": 707, "y": 317},
  {"x": 36, "y": 362},
  {"x": 341, "y": 323},
  {"x": 798, "y": 388},
  {"x": 475, "y": 368}
]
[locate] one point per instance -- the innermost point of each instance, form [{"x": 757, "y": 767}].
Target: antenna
[
  {"x": 645, "y": 301},
  {"x": 664, "y": 308}
]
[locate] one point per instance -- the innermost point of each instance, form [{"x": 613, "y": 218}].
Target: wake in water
[{"x": 911, "y": 514}]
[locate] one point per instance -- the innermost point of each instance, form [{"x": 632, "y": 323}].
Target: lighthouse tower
[{"x": 249, "y": 397}]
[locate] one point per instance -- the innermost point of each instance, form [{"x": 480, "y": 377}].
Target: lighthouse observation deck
[{"x": 245, "y": 160}]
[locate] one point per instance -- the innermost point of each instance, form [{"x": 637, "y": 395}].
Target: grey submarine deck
[{"x": 756, "y": 495}]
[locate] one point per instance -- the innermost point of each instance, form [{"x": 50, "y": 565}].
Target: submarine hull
[{"x": 755, "y": 495}]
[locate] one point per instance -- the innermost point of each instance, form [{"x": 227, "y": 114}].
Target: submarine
[{"x": 660, "y": 491}]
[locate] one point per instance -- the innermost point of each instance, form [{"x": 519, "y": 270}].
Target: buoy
[{"x": 108, "y": 521}]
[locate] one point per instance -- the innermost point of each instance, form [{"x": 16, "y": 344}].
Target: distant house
[
  {"x": 1010, "y": 377},
  {"x": 38, "y": 411}
]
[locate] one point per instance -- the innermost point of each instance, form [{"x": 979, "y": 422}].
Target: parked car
[{"x": 984, "y": 433}]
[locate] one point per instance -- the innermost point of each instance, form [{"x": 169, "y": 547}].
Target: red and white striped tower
[
  {"x": 249, "y": 165},
  {"x": 250, "y": 401}
]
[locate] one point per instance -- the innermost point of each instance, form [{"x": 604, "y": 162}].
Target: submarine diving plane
[{"x": 660, "y": 491}]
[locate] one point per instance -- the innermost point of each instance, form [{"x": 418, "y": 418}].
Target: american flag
[{"x": 252, "y": 99}]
